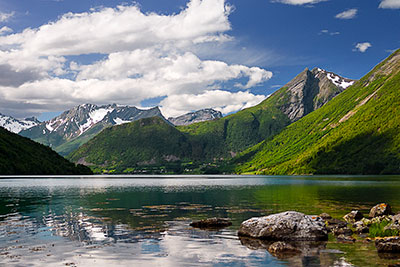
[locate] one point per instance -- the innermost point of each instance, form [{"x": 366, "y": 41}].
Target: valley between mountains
[{"x": 318, "y": 123}]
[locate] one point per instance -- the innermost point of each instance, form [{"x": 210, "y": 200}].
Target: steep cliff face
[
  {"x": 197, "y": 116},
  {"x": 310, "y": 90}
]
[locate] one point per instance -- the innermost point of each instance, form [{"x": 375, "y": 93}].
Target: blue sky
[{"x": 212, "y": 53}]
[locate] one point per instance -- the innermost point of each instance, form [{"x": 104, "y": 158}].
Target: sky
[{"x": 181, "y": 55}]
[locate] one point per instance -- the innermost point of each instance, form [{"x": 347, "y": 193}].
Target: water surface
[{"x": 144, "y": 221}]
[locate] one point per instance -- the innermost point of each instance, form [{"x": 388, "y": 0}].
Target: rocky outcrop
[
  {"x": 310, "y": 90},
  {"x": 212, "y": 223},
  {"x": 290, "y": 225},
  {"x": 380, "y": 210},
  {"x": 197, "y": 116}
]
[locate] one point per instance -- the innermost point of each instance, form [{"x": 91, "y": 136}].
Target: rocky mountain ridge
[
  {"x": 82, "y": 122},
  {"x": 207, "y": 114}
]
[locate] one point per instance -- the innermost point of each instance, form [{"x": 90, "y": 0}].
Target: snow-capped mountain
[
  {"x": 334, "y": 78},
  {"x": 17, "y": 125},
  {"x": 79, "y": 124},
  {"x": 197, "y": 116}
]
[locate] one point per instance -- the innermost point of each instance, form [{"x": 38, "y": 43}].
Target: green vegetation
[
  {"x": 378, "y": 229},
  {"x": 358, "y": 132},
  {"x": 20, "y": 155}
]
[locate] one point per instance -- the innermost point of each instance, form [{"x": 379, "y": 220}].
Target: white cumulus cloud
[
  {"x": 393, "y": 4},
  {"x": 347, "y": 14},
  {"x": 223, "y": 101},
  {"x": 141, "y": 56},
  {"x": 362, "y": 47}
]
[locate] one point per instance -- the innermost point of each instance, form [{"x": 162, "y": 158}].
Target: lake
[{"x": 144, "y": 221}]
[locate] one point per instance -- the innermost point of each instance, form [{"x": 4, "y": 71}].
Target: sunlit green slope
[{"x": 358, "y": 132}]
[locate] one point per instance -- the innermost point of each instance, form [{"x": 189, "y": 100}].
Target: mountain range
[
  {"x": 17, "y": 125},
  {"x": 214, "y": 140},
  {"x": 76, "y": 126}
]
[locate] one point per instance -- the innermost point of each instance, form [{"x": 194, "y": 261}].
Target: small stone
[
  {"x": 335, "y": 223},
  {"x": 360, "y": 227},
  {"x": 325, "y": 216},
  {"x": 353, "y": 216},
  {"x": 211, "y": 223},
  {"x": 344, "y": 238},
  {"x": 380, "y": 210},
  {"x": 279, "y": 248},
  {"x": 388, "y": 244},
  {"x": 342, "y": 231}
]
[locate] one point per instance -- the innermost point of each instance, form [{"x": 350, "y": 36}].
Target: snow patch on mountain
[
  {"x": 95, "y": 116},
  {"x": 335, "y": 79},
  {"x": 119, "y": 121}
]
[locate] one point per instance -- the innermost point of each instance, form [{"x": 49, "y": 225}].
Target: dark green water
[{"x": 133, "y": 221}]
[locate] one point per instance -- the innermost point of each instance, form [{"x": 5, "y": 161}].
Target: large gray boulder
[{"x": 289, "y": 225}]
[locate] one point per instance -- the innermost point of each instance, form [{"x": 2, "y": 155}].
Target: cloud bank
[{"x": 139, "y": 57}]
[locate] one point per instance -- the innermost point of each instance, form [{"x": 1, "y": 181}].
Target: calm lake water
[{"x": 144, "y": 221}]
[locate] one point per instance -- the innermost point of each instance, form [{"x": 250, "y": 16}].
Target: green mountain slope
[
  {"x": 149, "y": 141},
  {"x": 19, "y": 156},
  {"x": 358, "y": 132},
  {"x": 225, "y": 137}
]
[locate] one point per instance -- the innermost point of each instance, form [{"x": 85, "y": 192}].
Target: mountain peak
[
  {"x": 197, "y": 116},
  {"x": 310, "y": 90}
]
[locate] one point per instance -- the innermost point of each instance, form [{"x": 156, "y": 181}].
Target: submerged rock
[
  {"x": 281, "y": 249},
  {"x": 380, "y": 210},
  {"x": 290, "y": 225},
  {"x": 353, "y": 216},
  {"x": 212, "y": 223},
  {"x": 388, "y": 244},
  {"x": 278, "y": 248},
  {"x": 345, "y": 238}
]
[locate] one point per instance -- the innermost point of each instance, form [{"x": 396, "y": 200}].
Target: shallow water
[{"x": 144, "y": 221}]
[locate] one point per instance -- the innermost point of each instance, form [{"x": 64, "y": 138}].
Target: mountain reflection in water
[{"x": 145, "y": 222}]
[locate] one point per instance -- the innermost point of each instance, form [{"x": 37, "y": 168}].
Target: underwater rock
[{"x": 212, "y": 223}]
